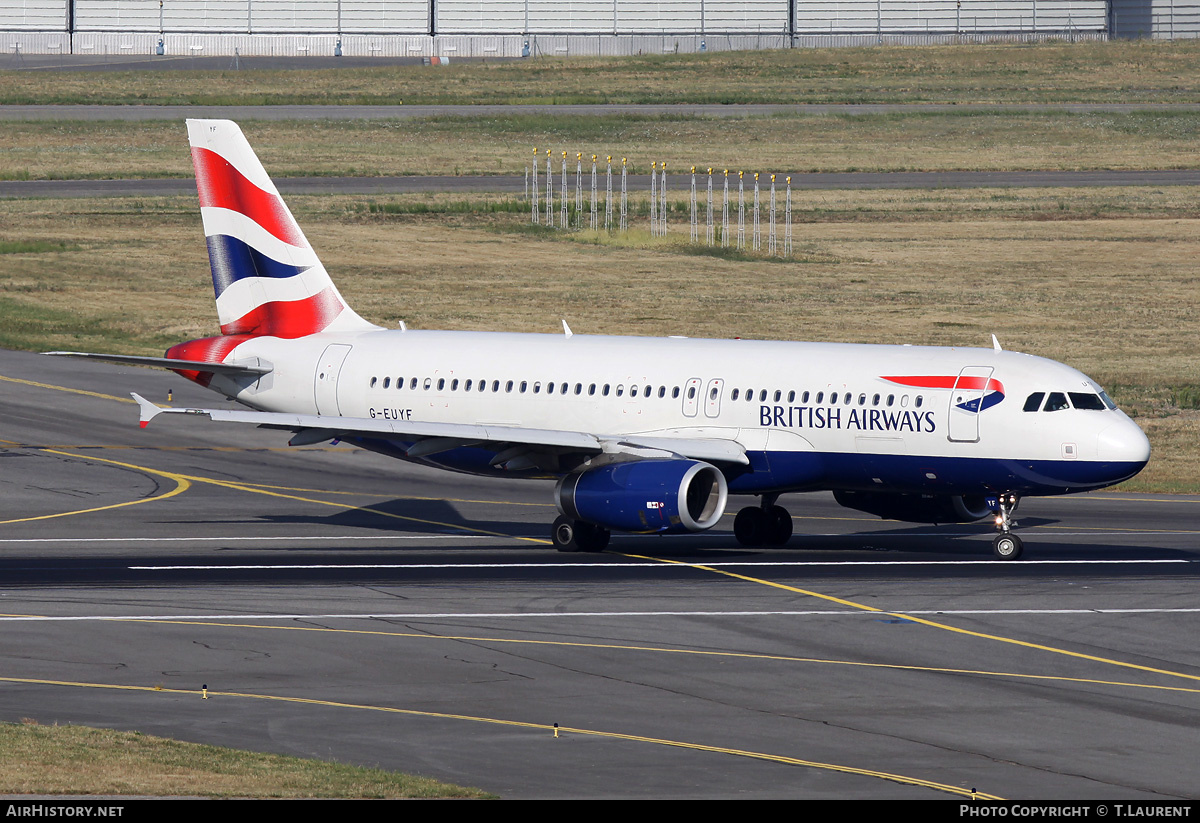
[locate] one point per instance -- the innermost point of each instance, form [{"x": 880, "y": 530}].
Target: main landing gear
[
  {"x": 765, "y": 525},
  {"x": 1006, "y": 545},
  {"x": 578, "y": 536}
]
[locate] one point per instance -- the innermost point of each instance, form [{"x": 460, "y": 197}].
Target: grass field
[
  {"x": 504, "y": 145},
  {"x": 74, "y": 760},
  {"x": 1138, "y": 71}
]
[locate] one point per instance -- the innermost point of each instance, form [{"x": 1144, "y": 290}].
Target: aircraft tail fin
[{"x": 266, "y": 277}]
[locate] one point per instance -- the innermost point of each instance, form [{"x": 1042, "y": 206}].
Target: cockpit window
[
  {"x": 1086, "y": 400},
  {"x": 1034, "y": 401},
  {"x": 1057, "y": 401},
  {"x": 1108, "y": 401}
]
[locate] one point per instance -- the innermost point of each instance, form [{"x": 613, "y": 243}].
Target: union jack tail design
[{"x": 267, "y": 278}]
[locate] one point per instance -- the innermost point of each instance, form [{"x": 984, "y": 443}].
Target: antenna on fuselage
[
  {"x": 402, "y": 326},
  {"x": 567, "y": 329},
  {"x": 996, "y": 344}
]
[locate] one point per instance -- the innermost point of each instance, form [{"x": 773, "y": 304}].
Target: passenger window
[
  {"x": 495, "y": 385},
  {"x": 386, "y": 381},
  {"x": 891, "y": 399},
  {"x": 605, "y": 392},
  {"x": 804, "y": 398},
  {"x": 428, "y": 383},
  {"x": 441, "y": 383},
  {"x": 662, "y": 392},
  {"x": 875, "y": 400},
  {"x": 820, "y": 396},
  {"x": 762, "y": 396},
  {"x": 919, "y": 401},
  {"x": 620, "y": 389},
  {"x": 833, "y": 396},
  {"x": 691, "y": 392},
  {"x": 1086, "y": 400},
  {"x": 792, "y": 397},
  {"x": 467, "y": 386},
  {"x": 412, "y": 384},
  {"x": 675, "y": 393},
  {"x": 591, "y": 389},
  {"x": 712, "y": 395},
  {"x": 1034, "y": 401},
  {"x": 734, "y": 396},
  {"x": 524, "y": 386},
  {"x": 778, "y": 395},
  {"x": 1057, "y": 401}
]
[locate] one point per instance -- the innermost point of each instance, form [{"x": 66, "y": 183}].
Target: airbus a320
[{"x": 646, "y": 435}]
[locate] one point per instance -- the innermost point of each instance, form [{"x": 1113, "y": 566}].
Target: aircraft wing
[
  {"x": 432, "y": 437},
  {"x": 164, "y": 362}
]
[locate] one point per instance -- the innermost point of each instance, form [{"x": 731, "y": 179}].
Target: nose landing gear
[{"x": 1006, "y": 545}]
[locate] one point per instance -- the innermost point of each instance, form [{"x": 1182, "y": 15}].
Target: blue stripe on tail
[{"x": 232, "y": 259}]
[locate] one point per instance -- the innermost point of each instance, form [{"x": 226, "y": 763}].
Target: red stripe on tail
[
  {"x": 222, "y": 186},
  {"x": 289, "y": 319},
  {"x": 204, "y": 350}
]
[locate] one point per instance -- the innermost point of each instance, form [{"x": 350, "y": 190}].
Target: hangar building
[{"x": 514, "y": 28}]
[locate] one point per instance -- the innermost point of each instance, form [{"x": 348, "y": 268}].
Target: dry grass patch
[
  {"x": 504, "y": 145},
  {"x": 81, "y": 761}
]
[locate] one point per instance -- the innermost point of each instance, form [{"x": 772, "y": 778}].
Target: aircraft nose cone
[{"x": 1123, "y": 442}]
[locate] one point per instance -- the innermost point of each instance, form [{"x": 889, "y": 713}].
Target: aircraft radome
[{"x": 648, "y": 435}]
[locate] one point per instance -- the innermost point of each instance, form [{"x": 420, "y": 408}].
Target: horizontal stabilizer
[
  {"x": 165, "y": 363},
  {"x": 147, "y": 411}
]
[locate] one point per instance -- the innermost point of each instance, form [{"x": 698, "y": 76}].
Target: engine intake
[{"x": 646, "y": 496}]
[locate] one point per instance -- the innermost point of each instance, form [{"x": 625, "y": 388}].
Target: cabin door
[
  {"x": 712, "y": 397},
  {"x": 966, "y": 399},
  {"x": 329, "y": 368}
]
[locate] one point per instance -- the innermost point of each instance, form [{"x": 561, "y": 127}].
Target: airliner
[{"x": 644, "y": 435}]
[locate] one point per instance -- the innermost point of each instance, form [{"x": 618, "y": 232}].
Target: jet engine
[
  {"x": 917, "y": 508},
  {"x": 658, "y": 496}
]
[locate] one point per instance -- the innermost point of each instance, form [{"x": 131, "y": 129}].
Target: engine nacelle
[
  {"x": 917, "y": 508},
  {"x": 646, "y": 496}
]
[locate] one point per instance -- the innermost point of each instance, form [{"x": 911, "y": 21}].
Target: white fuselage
[{"x": 831, "y": 404}]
